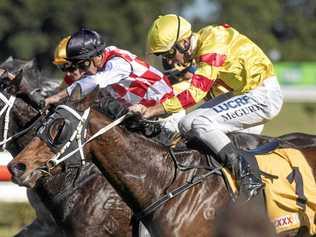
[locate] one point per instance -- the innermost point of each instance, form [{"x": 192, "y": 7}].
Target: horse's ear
[
  {"x": 18, "y": 78},
  {"x": 29, "y": 64},
  {"x": 86, "y": 101},
  {"x": 13, "y": 83},
  {"x": 76, "y": 94},
  {"x": 9, "y": 59},
  {"x": 89, "y": 99}
]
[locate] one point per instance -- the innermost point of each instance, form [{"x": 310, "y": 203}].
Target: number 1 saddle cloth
[{"x": 290, "y": 189}]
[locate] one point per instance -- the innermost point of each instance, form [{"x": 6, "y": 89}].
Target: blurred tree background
[
  {"x": 284, "y": 26},
  {"x": 32, "y": 28},
  {"x": 284, "y": 29}
]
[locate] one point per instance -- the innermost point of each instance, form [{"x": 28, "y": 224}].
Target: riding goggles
[
  {"x": 67, "y": 67},
  {"x": 170, "y": 54},
  {"x": 71, "y": 67},
  {"x": 83, "y": 64}
]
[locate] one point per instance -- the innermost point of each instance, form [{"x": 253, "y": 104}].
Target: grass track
[
  {"x": 13, "y": 216},
  {"x": 294, "y": 117}
]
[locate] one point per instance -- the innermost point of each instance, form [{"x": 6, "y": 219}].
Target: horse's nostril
[{"x": 17, "y": 169}]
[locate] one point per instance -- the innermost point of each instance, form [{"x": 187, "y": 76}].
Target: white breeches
[{"x": 229, "y": 112}]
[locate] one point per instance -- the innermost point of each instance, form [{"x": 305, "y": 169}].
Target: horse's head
[
  {"x": 62, "y": 132},
  {"x": 23, "y": 79},
  {"x": 15, "y": 114},
  {"x": 25, "y": 71}
]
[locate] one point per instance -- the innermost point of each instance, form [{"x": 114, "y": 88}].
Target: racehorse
[
  {"x": 80, "y": 199},
  {"x": 16, "y": 116},
  {"x": 141, "y": 170}
]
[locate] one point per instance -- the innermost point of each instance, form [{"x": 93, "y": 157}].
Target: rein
[
  {"x": 187, "y": 185},
  {"x": 172, "y": 194},
  {"x": 6, "y": 109},
  {"x": 32, "y": 126}
]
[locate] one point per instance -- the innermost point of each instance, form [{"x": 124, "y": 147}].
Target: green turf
[
  {"x": 13, "y": 216},
  {"x": 294, "y": 117}
]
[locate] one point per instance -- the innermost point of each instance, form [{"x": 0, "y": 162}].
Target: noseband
[{"x": 6, "y": 109}]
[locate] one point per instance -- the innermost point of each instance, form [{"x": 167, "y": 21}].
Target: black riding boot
[{"x": 248, "y": 182}]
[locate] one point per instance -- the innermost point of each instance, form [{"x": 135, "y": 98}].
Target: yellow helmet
[
  {"x": 60, "y": 54},
  {"x": 166, "y": 31}
]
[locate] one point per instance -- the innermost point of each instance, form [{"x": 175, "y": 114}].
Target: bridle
[
  {"x": 79, "y": 134},
  {"x": 8, "y": 104}
]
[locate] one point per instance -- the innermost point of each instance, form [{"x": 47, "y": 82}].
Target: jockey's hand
[
  {"x": 149, "y": 112},
  {"x": 137, "y": 109},
  {"x": 154, "y": 111},
  {"x": 48, "y": 102},
  {"x": 55, "y": 99},
  {"x": 37, "y": 99}
]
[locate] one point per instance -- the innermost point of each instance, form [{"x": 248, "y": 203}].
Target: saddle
[{"x": 289, "y": 196}]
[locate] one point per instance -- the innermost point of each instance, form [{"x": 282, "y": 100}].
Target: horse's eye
[{"x": 57, "y": 132}]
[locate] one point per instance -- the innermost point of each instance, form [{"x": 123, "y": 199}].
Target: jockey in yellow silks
[{"x": 234, "y": 76}]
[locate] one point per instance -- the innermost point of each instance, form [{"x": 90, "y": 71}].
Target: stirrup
[{"x": 251, "y": 188}]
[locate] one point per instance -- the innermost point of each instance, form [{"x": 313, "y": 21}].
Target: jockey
[
  {"x": 229, "y": 67},
  {"x": 125, "y": 76},
  {"x": 177, "y": 73},
  {"x": 60, "y": 61}
]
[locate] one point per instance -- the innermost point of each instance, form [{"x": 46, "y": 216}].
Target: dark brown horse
[
  {"x": 142, "y": 171},
  {"x": 16, "y": 117},
  {"x": 76, "y": 202}
]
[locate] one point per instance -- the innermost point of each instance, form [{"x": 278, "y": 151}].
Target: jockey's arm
[
  {"x": 199, "y": 87},
  {"x": 54, "y": 99},
  {"x": 63, "y": 85},
  {"x": 115, "y": 70}
]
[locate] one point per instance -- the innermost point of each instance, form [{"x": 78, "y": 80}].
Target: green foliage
[
  {"x": 285, "y": 25},
  {"x": 33, "y": 28}
]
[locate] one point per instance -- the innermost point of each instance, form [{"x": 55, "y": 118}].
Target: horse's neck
[{"x": 137, "y": 168}]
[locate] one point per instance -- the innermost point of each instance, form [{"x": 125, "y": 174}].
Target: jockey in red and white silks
[
  {"x": 124, "y": 75},
  {"x": 128, "y": 79}
]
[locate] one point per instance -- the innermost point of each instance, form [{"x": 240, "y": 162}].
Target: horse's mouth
[
  {"x": 17, "y": 181},
  {"x": 28, "y": 181}
]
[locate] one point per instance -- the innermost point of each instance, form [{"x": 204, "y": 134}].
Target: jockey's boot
[{"x": 249, "y": 183}]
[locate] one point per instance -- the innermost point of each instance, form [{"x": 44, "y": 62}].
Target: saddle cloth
[{"x": 291, "y": 195}]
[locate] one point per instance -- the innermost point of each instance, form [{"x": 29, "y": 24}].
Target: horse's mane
[{"x": 113, "y": 109}]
